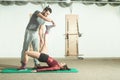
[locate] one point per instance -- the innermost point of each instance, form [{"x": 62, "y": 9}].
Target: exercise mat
[{"x": 30, "y": 70}]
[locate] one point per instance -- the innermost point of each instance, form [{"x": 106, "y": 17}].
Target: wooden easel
[{"x": 72, "y": 34}]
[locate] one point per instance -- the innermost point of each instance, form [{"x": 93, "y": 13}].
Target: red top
[{"x": 52, "y": 65}]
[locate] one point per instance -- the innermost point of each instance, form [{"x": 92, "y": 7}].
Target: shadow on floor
[{"x": 2, "y": 66}]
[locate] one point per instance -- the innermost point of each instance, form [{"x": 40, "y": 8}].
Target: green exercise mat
[{"x": 29, "y": 70}]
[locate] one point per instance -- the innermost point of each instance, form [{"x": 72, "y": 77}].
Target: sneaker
[
  {"x": 22, "y": 68},
  {"x": 48, "y": 27}
]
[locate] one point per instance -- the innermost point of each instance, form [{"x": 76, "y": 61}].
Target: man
[{"x": 36, "y": 22}]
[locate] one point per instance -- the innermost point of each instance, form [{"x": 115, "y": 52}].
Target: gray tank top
[{"x": 35, "y": 21}]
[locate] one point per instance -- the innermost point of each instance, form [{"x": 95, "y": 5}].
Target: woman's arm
[{"x": 46, "y": 68}]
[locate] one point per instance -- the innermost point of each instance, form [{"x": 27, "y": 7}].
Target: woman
[{"x": 42, "y": 57}]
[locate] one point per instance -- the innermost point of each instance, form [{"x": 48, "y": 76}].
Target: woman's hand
[{"x": 34, "y": 71}]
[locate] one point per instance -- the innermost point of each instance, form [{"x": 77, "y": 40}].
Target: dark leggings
[{"x": 43, "y": 57}]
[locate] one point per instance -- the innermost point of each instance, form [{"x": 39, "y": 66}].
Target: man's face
[{"x": 46, "y": 13}]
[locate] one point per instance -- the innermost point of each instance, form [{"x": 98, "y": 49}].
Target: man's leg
[
  {"x": 27, "y": 41},
  {"x": 35, "y": 44}
]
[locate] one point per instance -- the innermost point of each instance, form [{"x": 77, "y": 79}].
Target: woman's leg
[
  {"x": 41, "y": 34},
  {"x": 45, "y": 46},
  {"x": 32, "y": 54}
]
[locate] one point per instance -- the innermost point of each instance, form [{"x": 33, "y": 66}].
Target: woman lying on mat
[{"x": 42, "y": 57}]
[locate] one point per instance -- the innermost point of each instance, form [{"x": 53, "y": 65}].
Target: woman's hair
[
  {"x": 65, "y": 67},
  {"x": 48, "y": 9}
]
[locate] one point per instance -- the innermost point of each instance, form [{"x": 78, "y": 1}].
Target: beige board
[{"x": 71, "y": 35}]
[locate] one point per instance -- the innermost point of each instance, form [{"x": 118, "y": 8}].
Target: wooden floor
[{"x": 89, "y": 69}]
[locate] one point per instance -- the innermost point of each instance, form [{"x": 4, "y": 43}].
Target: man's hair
[{"x": 48, "y": 9}]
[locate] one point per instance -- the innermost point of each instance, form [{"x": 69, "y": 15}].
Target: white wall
[{"x": 99, "y": 25}]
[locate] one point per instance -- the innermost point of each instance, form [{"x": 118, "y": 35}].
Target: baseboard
[{"x": 101, "y": 57}]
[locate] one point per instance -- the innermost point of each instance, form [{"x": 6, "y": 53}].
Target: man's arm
[
  {"x": 45, "y": 18},
  {"x": 38, "y": 13}
]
